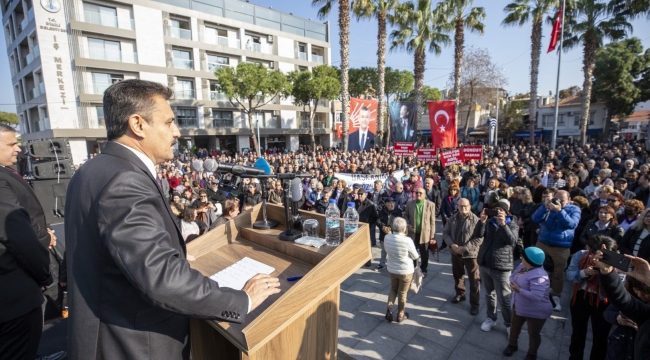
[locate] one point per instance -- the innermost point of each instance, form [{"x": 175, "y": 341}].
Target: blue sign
[{"x": 525, "y": 134}]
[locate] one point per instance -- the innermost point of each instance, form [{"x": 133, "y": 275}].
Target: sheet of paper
[{"x": 236, "y": 275}]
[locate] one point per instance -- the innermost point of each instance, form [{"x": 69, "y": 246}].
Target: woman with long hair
[
  {"x": 450, "y": 202},
  {"x": 603, "y": 223},
  {"x": 636, "y": 241}
]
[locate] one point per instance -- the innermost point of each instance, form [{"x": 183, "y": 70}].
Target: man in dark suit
[
  {"x": 362, "y": 139},
  {"x": 402, "y": 130},
  {"x": 24, "y": 265},
  {"x": 131, "y": 290}
]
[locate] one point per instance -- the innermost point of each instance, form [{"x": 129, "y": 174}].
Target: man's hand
[
  {"x": 411, "y": 228},
  {"x": 52, "y": 238},
  {"x": 553, "y": 207},
  {"x": 641, "y": 269},
  {"x": 260, "y": 287},
  {"x": 624, "y": 321},
  {"x": 604, "y": 268},
  {"x": 501, "y": 219},
  {"x": 590, "y": 271}
]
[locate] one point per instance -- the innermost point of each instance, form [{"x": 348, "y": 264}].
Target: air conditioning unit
[
  {"x": 269, "y": 39},
  {"x": 570, "y": 113},
  {"x": 171, "y": 79},
  {"x": 207, "y": 111},
  {"x": 276, "y": 112},
  {"x": 166, "y": 22},
  {"x": 202, "y": 55}
]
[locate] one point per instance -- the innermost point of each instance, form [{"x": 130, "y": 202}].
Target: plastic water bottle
[
  {"x": 332, "y": 224},
  {"x": 350, "y": 221}
]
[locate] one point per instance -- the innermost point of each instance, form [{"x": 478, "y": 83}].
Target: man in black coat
[
  {"x": 24, "y": 265},
  {"x": 367, "y": 212},
  {"x": 216, "y": 194},
  {"x": 131, "y": 289}
]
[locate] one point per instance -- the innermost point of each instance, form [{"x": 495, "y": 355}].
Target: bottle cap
[
  {"x": 332, "y": 201},
  {"x": 350, "y": 204}
]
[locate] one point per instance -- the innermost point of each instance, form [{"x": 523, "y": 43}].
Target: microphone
[
  {"x": 264, "y": 224},
  {"x": 237, "y": 169},
  {"x": 296, "y": 190},
  {"x": 262, "y": 164}
]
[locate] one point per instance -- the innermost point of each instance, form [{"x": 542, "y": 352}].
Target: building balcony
[
  {"x": 260, "y": 48},
  {"x": 36, "y": 51},
  {"x": 212, "y": 67},
  {"x": 317, "y": 58},
  {"x": 99, "y": 88},
  {"x": 184, "y": 94},
  {"x": 41, "y": 88},
  {"x": 33, "y": 94},
  {"x": 179, "y": 33},
  {"x": 222, "y": 123},
  {"x": 302, "y": 56},
  {"x": 186, "y": 123},
  {"x": 220, "y": 40},
  {"x": 186, "y": 64},
  {"x": 218, "y": 96},
  {"x": 108, "y": 20},
  {"x": 108, "y": 55}
]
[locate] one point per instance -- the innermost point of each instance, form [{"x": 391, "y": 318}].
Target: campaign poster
[
  {"x": 402, "y": 122},
  {"x": 427, "y": 155},
  {"x": 362, "y": 126},
  {"x": 473, "y": 152},
  {"x": 451, "y": 157}
]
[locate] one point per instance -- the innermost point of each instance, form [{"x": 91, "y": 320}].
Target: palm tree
[
  {"x": 380, "y": 10},
  {"x": 517, "y": 14},
  {"x": 460, "y": 16},
  {"x": 325, "y": 6},
  {"x": 419, "y": 29},
  {"x": 590, "y": 23}
]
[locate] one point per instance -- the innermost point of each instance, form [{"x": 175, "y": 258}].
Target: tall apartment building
[{"x": 63, "y": 54}]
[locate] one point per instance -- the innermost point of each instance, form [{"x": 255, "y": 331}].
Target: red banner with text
[
  {"x": 473, "y": 152},
  {"x": 451, "y": 157},
  {"x": 442, "y": 118},
  {"x": 404, "y": 148},
  {"x": 427, "y": 155}
]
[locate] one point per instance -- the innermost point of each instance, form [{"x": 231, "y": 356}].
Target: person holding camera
[
  {"x": 558, "y": 220},
  {"x": 495, "y": 259}
]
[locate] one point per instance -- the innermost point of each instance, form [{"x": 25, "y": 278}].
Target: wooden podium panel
[{"x": 301, "y": 322}]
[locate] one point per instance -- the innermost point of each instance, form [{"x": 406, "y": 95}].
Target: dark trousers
[
  {"x": 534, "y": 331},
  {"x": 19, "y": 337},
  {"x": 424, "y": 253},
  {"x": 373, "y": 235},
  {"x": 581, "y": 312},
  {"x": 458, "y": 266}
]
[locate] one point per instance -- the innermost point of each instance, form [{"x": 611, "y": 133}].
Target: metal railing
[
  {"x": 212, "y": 67},
  {"x": 185, "y": 122},
  {"x": 99, "y": 88},
  {"x": 218, "y": 96},
  {"x": 37, "y": 51},
  {"x": 184, "y": 94},
  {"x": 222, "y": 123},
  {"x": 112, "y": 55},
  {"x": 317, "y": 58},
  {"x": 41, "y": 88},
  {"x": 108, "y": 20},
  {"x": 180, "y": 33},
  {"x": 302, "y": 56},
  {"x": 261, "y": 48},
  {"x": 220, "y": 40},
  {"x": 186, "y": 64},
  {"x": 33, "y": 94}
]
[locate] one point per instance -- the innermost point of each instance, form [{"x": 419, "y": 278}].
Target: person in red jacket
[
  {"x": 412, "y": 185},
  {"x": 175, "y": 180}
]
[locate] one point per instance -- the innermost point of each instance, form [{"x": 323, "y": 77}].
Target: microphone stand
[
  {"x": 265, "y": 224},
  {"x": 289, "y": 234}
]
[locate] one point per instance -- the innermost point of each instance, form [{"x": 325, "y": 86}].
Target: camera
[
  {"x": 556, "y": 202},
  {"x": 491, "y": 212}
]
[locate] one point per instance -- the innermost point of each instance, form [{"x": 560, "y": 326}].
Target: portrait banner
[
  {"x": 451, "y": 157},
  {"x": 404, "y": 148},
  {"x": 442, "y": 118},
  {"x": 473, "y": 152},
  {"x": 402, "y": 122},
  {"x": 362, "y": 126},
  {"x": 427, "y": 155}
]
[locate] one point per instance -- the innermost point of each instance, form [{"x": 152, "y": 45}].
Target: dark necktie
[
  {"x": 16, "y": 174},
  {"x": 363, "y": 141}
]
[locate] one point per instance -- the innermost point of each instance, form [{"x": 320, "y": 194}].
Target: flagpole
[{"x": 557, "y": 82}]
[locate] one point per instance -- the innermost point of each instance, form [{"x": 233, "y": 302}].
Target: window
[
  {"x": 104, "y": 49},
  {"x": 182, "y": 59},
  {"x": 100, "y": 15},
  {"x": 186, "y": 118},
  {"x": 319, "y": 123},
  {"x": 547, "y": 120},
  {"x": 101, "y": 120},
  {"x": 302, "y": 51},
  {"x": 102, "y": 81},
  {"x": 180, "y": 29},
  {"x": 266, "y": 119},
  {"x": 592, "y": 115},
  {"x": 222, "y": 119},
  {"x": 184, "y": 90},
  {"x": 576, "y": 120},
  {"x": 215, "y": 62},
  {"x": 560, "y": 119}
]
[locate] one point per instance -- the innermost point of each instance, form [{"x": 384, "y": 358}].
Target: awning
[
  {"x": 426, "y": 132},
  {"x": 594, "y": 132},
  {"x": 526, "y": 134}
]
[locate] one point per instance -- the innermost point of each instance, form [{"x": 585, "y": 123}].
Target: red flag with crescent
[
  {"x": 442, "y": 118},
  {"x": 557, "y": 28}
]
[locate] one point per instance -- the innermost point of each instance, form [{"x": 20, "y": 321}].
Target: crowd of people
[{"x": 523, "y": 221}]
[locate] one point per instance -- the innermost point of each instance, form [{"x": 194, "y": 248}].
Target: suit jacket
[
  {"x": 353, "y": 141},
  {"x": 24, "y": 264},
  {"x": 428, "y": 230},
  {"x": 130, "y": 289},
  {"x": 15, "y": 190},
  {"x": 397, "y": 134}
]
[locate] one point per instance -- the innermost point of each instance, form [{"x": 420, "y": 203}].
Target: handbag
[
  {"x": 416, "y": 283},
  {"x": 433, "y": 247}
]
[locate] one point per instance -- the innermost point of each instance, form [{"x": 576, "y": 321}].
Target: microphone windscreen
[
  {"x": 197, "y": 165},
  {"x": 262, "y": 164},
  {"x": 296, "y": 190},
  {"x": 210, "y": 165}
]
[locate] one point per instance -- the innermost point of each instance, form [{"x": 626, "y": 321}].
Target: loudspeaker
[
  {"x": 50, "y": 169},
  {"x": 50, "y": 148},
  {"x": 51, "y": 195}
]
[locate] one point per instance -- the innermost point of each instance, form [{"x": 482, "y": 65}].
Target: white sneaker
[
  {"x": 488, "y": 324},
  {"x": 508, "y": 331},
  {"x": 557, "y": 307}
]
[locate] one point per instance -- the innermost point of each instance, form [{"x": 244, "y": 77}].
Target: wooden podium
[{"x": 301, "y": 322}]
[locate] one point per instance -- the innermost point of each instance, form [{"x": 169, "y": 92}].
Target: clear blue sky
[{"x": 510, "y": 48}]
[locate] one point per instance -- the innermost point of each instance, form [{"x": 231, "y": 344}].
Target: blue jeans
[
  {"x": 382, "y": 260},
  {"x": 497, "y": 287}
]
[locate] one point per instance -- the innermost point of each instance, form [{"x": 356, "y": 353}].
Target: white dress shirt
[
  {"x": 365, "y": 139},
  {"x": 144, "y": 158}
]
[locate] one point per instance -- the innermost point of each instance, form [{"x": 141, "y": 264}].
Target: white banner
[{"x": 367, "y": 181}]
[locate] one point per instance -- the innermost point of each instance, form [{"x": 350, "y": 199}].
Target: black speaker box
[
  {"x": 50, "y": 148},
  {"x": 50, "y": 169},
  {"x": 51, "y": 195}
]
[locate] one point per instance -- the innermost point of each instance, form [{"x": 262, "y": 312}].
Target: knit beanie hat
[
  {"x": 504, "y": 204},
  {"x": 534, "y": 256}
]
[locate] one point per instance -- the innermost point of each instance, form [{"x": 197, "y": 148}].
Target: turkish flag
[
  {"x": 557, "y": 29},
  {"x": 442, "y": 118}
]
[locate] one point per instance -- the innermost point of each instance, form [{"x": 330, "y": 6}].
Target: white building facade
[
  {"x": 63, "y": 54},
  {"x": 568, "y": 124}
]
